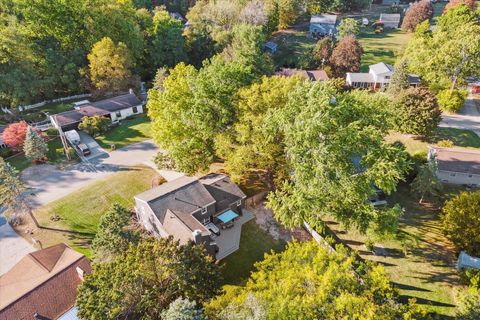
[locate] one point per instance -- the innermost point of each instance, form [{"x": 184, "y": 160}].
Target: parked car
[{"x": 83, "y": 148}]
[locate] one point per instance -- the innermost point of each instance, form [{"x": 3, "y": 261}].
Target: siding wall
[
  {"x": 458, "y": 178},
  {"x": 125, "y": 113}
]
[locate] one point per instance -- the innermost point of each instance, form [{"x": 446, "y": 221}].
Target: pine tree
[
  {"x": 34, "y": 147},
  {"x": 399, "y": 79},
  {"x": 10, "y": 185}
]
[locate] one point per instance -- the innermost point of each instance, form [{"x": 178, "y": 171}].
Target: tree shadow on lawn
[{"x": 404, "y": 299}]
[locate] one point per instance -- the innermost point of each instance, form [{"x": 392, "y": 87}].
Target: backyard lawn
[
  {"x": 426, "y": 271},
  {"x": 80, "y": 211},
  {"x": 129, "y": 131},
  {"x": 293, "y": 45},
  {"x": 254, "y": 243}
]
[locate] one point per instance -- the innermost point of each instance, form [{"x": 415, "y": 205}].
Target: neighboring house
[
  {"x": 314, "y": 75},
  {"x": 207, "y": 210},
  {"x": 390, "y": 20},
  {"x": 177, "y": 16},
  {"x": 2, "y": 144},
  {"x": 116, "y": 108},
  {"x": 378, "y": 76},
  {"x": 322, "y": 25},
  {"x": 270, "y": 47},
  {"x": 456, "y": 165},
  {"x": 43, "y": 285}
]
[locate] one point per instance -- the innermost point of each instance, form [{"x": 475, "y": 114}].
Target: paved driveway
[
  {"x": 95, "y": 149},
  {"x": 468, "y": 118},
  {"x": 12, "y": 248},
  {"x": 49, "y": 183}
]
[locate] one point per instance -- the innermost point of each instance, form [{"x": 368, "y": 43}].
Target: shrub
[
  {"x": 461, "y": 221},
  {"x": 451, "y": 101},
  {"x": 51, "y": 132},
  {"x": 446, "y": 143}
]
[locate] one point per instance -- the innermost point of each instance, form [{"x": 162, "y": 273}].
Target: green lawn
[
  {"x": 55, "y": 155},
  {"x": 426, "y": 272},
  {"x": 254, "y": 243},
  {"x": 293, "y": 45},
  {"x": 81, "y": 210},
  {"x": 383, "y": 47},
  {"x": 459, "y": 137},
  {"x": 128, "y": 132}
]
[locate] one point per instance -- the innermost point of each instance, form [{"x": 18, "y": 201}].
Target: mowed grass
[
  {"x": 293, "y": 46},
  {"x": 383, "y": 47},
  {"x": 459, "y": 137},
  {"x": 254, "y": 243},
  {"x": 81, "y": 210},
  {"x": 128, "y": 132},
  {"x": 425, "y": 271}
]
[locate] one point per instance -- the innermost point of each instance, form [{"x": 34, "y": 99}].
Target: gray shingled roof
[
  {"x": 390, "y": 17},
  {"x": 222, "y": 190},
  {"x": 324, "y": 19},
  {"x": 458, "y": 160},
  {"x": 360, "y": 77},
  {"x": 381, "y": 67}
]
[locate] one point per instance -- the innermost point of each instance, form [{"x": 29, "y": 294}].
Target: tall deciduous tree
[
  {"x": 306, "y": 281},
  {"x": 348, "y": 27},
  {"x": 168, "y": 46},
  {"x": 461, "y": 221},
  {"x": 247, "y": 146},
  {"x": 323, "y": 51},
  {"x": 113, "y": 236},
  {"x": 336, "y": 154},
  {"x": 143, "y": 282},
  {"x": 94, "y": 125},
  {"x": 455, "y": 3},
  {"x": 34, "y": 147},
  {"x": 346, "y": 56},
  {"x": 14, "y": 134},
  {"x": 11, "y": 187},
  {"x": 417, "y": 112},
  {"x": 110, "y": 66},
  {"x": 469, "y": 305},
  {"x": 416, "y": 14},
  {"x": 193, "y": 108}
]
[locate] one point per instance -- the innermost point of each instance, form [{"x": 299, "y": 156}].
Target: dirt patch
[{"x": 265, "y": 219}]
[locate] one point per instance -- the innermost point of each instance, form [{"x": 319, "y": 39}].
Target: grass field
[
  {"x": 293, "y": 46},
  {"x": 128, "y": 132},
  {"x": 254, "y": 243},
  {"x": 426, "y": 271},
  {"x": 81, "y": 210},
  {"x": 383, "y": 47}
]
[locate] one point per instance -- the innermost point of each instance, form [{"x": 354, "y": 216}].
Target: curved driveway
[{"x": 468, "y": 118}]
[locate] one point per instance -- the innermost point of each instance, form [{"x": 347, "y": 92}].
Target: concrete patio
[{"x": 229, "y": 239}]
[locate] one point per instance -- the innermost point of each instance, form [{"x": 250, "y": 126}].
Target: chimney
[
  {"x": 130, "y": 91},
  {"x": 80, "y": 273},
  {"x": 197, "y": 236}
]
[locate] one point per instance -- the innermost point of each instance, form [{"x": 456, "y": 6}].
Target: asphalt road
[{"x": 468, "y": 118}]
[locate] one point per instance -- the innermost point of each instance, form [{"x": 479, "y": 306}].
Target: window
[
  {"x": 206, "y": 221},
  {"x": 452, "y": 174},
  {"x": 239, "y": 203},
  {"x": 204, "y": 210},
  {"x": 135, "y": 110},
  {"x": 118, "y": 114}
]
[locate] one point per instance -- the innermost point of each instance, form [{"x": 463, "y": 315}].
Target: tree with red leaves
[
  {"x": 418, "y": 12},
  {"x": 454, "y": 3},
  {"x": 346, "y": 56},
  {"x": 14, "y": 135}
]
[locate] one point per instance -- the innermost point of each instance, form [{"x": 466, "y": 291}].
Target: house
[
  {"x": 313, "y": 75},
  {"x": 378, "y": 75},
  {"x": 43, "y": 284},
  {"x": 456, "y": 165},
  {"x": 390, "y": 20},
  {"x": 322, "y": 25},
  {"x": 207, "y": 210},
  {"x": 177, "y": 16},
  {"x": 116, "y": 108},
  {"x": 270, "y": 47}
]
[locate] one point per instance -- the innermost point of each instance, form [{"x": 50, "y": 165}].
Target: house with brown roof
[
  {"x": 456, "y": 165},
  {"x": 313, "y": 75},
  {"x": 43, "y": 284},
  {"x": 207, "y": 211},
  {"x": 115, "y": 108}
]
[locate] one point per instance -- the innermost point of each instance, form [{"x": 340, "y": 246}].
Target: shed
[
  {"x": 390, "y": 20},
  {"x": 465, "y": 261},
  {"x": 390, "y": 2},
  {"x": 270, "y": 47}
]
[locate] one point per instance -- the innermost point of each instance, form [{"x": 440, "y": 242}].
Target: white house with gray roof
[
  {"x": 322, "y": 25},
  {"x": 390, "y": 20},
  {"x": 456, "y": 165},
  {"x": 207, "y": 210},
  {"x": 378, "y": 75}
]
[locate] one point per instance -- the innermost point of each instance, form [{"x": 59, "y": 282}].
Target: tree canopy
[
  {"x": 11, "y": 187},
  {"x": 416, "y": 14},
  {"x": 144, "y": 281},
  {"x": 34, "y": 147},
  {"x": 346, "y": 56},
  {"x": 306, "y": 281}
]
